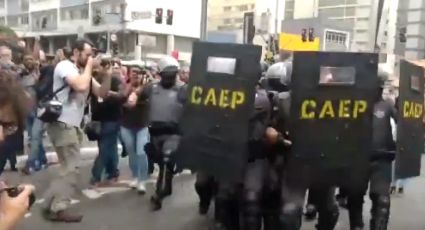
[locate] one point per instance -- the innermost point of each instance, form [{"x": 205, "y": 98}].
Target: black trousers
[
  {"x": 380, "y": 172},
  {"x": 261, "y": 195},
  {"x": 9, "y": 149},
  {"x": 205, "y": 187},
  {"x": 166, "y": 163},
  {"x": 297, "y": 180},
  {"x": 227, "y": 205}
]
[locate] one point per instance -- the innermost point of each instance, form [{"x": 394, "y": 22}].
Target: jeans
[
  {"x": 108, "y": 152},
  {"x": 134, "y": 143},
  {"x": 37, "y": 155}
]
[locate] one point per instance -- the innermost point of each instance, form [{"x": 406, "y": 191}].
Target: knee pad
[{"x": 382, "y": 204}]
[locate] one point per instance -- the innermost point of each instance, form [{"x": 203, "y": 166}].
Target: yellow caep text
[
  {"x": 222, "y": 98},
  {"x": 412, "y": 109},
  {"x": 311, "y": 109}
]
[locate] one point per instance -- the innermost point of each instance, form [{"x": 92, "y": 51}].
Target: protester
[
  {"x": 135, "y": 133},
  {"x": 12, "y": 115},
  {"x": 34, "y": 126},
  {"x": 107, "y": 111}
]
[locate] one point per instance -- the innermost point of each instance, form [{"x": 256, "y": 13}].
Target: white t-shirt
[{"x": 73, "y": 102}]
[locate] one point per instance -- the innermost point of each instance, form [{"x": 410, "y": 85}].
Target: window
[
  {"x": 2, "y": 5},
  {"x": 243, "y": 7},
  {"x": 84, "y": 13},
  {"x": 71, "y": 15},
  {"x": 336, "y": 37},
  {"x": 24, "y": 5},
  {"x": 44, "y": 22},
  {"x": 24, "y": 20},
  {"x": 289, "y": 15},
  {"x": 238, "y": 20},
  {"x": 350, "y": 11},
  {"x": 2, "y": 21},
  {"x": 227, "y": 21},
  {"x": 227, "y": 8},
  {"x": 252, "y": 6}
]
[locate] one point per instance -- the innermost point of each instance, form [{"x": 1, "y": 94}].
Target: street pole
[
  {"x": 204, "y": 20},
  {"x": 108, "y": 41},
  {"x": 276, "y": 18}
]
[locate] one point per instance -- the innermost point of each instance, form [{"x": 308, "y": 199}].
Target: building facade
[
  {"x": 225, "y": 15},
  {"x": 411, "y": 22},
  {"x": 360, "y": 15},
  {"x": 58, "y": 22}
]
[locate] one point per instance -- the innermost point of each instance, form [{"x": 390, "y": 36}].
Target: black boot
[
  {"x": 156, "y": 203},
  {"x": 311, "y": 212}
]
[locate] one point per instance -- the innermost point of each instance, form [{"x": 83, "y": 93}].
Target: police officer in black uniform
[
  {"x": 293, "y": 190},
  {"x": 165, "y": 102},
  {"x": 380, "y": 170}
]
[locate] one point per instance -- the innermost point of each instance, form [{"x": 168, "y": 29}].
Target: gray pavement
[{"x": 126, "y": 210}]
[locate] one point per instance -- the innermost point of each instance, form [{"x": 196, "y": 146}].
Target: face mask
[{"x": 168, "y": 79}]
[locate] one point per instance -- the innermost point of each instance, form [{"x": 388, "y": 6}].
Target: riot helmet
[
  {"x": 168, "y": 69},
  {"x": 383, "y": 75},
  {"x": 278, "y": 76}
]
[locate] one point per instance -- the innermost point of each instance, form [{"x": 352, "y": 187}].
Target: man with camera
[
  {"x": 12, "y": 114},
  {"x": 73, "y": 79}
]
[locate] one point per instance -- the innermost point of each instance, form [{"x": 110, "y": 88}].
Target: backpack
[{"x": 44, "y": 86}]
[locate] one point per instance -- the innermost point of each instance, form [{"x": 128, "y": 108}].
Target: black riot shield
[
  {"x": 220, "y": 101},
  {"x": 331, "y": 116},
  {"x": 410, "y": 131}
]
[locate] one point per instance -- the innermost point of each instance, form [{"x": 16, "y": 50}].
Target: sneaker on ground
[
  {"x": 141, "y": 188},
  {"x": 133, "y": 183}
]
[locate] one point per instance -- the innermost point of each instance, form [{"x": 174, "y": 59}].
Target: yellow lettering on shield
[
  {"x": 359, "y": 107},
  {"x": 211, "y": 98},
  {"x": 196, "y": 97},
  {"x": 304, "y": 113},
  {"x": 327, "y": 109},
  {"x": 238, "y": 98}
]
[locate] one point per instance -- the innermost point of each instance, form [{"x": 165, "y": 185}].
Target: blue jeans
[
  {"x": 108, "y": 152},
  {"x": 134, "y": 143},
  {"x": 37, "y": 155}
]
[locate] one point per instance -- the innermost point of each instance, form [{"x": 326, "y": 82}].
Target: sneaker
[
  {"x": 141, "y": 188},
  {"x": 392, "y": 189},
  {"x": 133, "y": 183}
]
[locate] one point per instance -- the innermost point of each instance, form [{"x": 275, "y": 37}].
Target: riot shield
[
  {"x": 220, "y": 101},
  {"x": 331, "y": 116},
  {"x": 410, "y": 131}
]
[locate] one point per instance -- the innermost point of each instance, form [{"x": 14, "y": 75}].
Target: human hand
[
  {"x": 272, "y": 135},
  {"x": 132, "y": 99},
  {"x": 13, "y": 209}
]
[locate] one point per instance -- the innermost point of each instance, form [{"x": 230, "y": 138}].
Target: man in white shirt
[{"x": 65, "y": 133}]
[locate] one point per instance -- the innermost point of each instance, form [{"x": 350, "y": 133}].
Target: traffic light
[
  {"x": 158, "y": 16},
  {"x": 170, "y": 14},
  {"x": 311, "y": 34},
  {"x": 402, "y": 35},
  {"x": 304, "y": 35}
]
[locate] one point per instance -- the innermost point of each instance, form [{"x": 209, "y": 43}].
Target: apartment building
[
  {"x": 228, "y": 14},
  {"x": 58, "y": 22},
  {"x": 411, "y": 23}
]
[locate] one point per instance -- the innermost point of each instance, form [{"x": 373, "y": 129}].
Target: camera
[{"x": 15, "y": 191}]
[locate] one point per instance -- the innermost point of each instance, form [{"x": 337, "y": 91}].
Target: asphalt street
[{"x": 123, "y": 209}]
